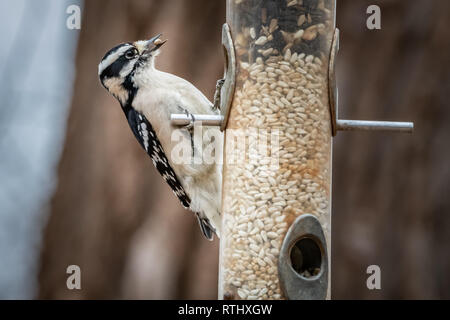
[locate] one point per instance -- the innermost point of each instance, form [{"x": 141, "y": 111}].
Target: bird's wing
[
  {"x": 144, "y": 133},
  {"x": 191, "y": 95}
]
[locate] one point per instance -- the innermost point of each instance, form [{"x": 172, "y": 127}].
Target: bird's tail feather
[{"x": 205, "y": 226}]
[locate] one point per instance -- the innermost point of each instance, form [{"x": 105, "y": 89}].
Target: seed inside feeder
[{"x": 159, "y": 42}]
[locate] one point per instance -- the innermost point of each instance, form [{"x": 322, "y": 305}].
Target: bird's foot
[
  {"x": 191, "y": 121},
  {"x": 219, "y": 85}
]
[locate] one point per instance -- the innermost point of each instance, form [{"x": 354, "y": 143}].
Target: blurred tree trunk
[
  {"x": 114, "y": 217},
  {"x": 112, "y": 214}
]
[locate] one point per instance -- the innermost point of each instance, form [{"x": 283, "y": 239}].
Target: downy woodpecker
[{"x": 148, "y": 97}]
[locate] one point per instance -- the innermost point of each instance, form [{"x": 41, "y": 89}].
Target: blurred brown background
[{"x": 114, "y": 217}]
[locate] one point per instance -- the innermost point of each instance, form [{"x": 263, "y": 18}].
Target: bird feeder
[
  {"x": 276, "y": 205},
  {"x": 279, "y": 112}
]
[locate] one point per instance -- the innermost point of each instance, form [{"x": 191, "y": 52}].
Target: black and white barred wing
[
  {"x": 144, "y": 133},
  {"x": 147, "y": 138}
]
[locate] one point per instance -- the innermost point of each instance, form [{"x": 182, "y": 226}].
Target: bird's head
[{"x": 121, "y": 64}]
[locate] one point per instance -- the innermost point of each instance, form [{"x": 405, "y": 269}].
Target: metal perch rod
[
  {"x": 205, "y": 119},
  {"x": 342, "y": 125},
  {"x": 352, "y": 125}
]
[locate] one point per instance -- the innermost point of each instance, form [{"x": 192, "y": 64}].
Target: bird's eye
[{"x": 130, "y": 54}]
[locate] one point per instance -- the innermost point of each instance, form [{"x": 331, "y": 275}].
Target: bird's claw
[
  {"x": 191, "y": 121},
  {"x": 219, "y": 85}
]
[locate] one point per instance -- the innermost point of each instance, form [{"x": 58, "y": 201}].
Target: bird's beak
[{"x": 155, "y": 43}]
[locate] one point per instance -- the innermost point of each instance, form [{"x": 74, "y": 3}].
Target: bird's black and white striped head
[{"x": 120, "y": 65}]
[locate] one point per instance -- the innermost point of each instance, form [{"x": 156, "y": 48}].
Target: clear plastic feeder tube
[{"x": 278, "y": 140}]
